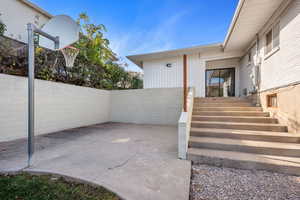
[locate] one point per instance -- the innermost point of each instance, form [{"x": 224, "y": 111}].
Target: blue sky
[{"x": 142, "y": 26}]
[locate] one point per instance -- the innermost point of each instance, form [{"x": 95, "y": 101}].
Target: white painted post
[{"x": 184, "y": 126}]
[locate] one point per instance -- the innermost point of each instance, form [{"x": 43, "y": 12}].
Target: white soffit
[
  {"x": 138, "y": 59},
  {"x": 249, "y": 19}
]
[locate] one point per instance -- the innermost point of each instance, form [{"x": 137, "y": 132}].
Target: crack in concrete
[{"x": 122, "y": 164}]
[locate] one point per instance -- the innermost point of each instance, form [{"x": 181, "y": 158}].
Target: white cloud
[{"x": 138, "y": 41}]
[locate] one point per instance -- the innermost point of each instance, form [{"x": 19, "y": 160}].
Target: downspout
[{"x": 257, "y": 74}]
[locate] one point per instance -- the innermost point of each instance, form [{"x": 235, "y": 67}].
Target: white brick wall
[{"x": 283, "y": 67}]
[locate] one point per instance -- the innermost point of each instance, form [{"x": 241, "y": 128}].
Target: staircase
[{"x": 231, "y": 132}]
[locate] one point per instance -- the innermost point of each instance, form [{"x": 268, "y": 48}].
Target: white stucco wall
[
  {"x": 16, "y": 15},
  {"x": 147, "y": 106},
  {"x": 58, "y": 106}
]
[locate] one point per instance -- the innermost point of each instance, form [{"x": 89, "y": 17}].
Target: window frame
[
  {"x": 275, "y": 38},
  {"x": 270, "y": 103}
]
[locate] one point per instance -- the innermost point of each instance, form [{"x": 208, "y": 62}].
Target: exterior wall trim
[
  {"x": 35, "y": 7},
  {"x": 283, "y": 86}
]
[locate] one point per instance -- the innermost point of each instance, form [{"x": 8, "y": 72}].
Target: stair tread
[
  {"x": 249, "y": 143},
  {"x": 228, "y": 107},
  {"x": 241, "y": 156},
  {"x": 237, "y": 123},
  {"x": 245, "y": 132},
  {"x": 235, "y": 111},
  {"x": 245, "y": 117}
]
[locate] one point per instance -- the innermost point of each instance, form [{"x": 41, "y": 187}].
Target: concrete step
[
  {"x": 240, "y": 160},
  {"x": 220, "y": 100},
  {"x": 199, "y": 109},
  {"x": 240, "y": 126},
  {"x": 246, "y": 135},
  {"x": 246, "y": 119},
  {"x": 232, "y": 113},
  {"x": 247, "y": 146},
  {"x": 228, "y": 104}
]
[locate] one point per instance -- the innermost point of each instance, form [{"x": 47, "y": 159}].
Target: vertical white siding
[
  {"x": 16, "y": 15},
  {"x": 157, "y": 75},
  {"x": 197, "y": 74}
]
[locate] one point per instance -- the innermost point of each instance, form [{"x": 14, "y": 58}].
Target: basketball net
[{"x": 70, "y": 53}]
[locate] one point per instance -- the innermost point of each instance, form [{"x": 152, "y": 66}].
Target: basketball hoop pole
[{"x": 31, "y": 29}]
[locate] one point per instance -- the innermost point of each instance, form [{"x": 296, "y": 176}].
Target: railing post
[
  {"x": 185, "y": 88},
  {"x": 184, "y": 126}
]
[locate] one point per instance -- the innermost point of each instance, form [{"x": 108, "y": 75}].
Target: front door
[{"x": 220, "y": 82}]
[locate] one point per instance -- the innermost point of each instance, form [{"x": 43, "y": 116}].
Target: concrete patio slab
[{"x": 135, "y": 161}]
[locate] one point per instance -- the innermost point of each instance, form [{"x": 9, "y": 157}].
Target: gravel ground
[{"x": 214, "y": 183}]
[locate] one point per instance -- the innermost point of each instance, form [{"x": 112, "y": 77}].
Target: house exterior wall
[
  {"x": 288, "y": 106},
  {"x": 280, "y": 72},
  {"x": 247, "y": 73},
  {"x": 15, "y": 15},
  {"x": 227, "y": 63},
  {"x": 147, "y": 106},
  {"x": 157, "y": 75},
  {"x": 283, "y": 66}
]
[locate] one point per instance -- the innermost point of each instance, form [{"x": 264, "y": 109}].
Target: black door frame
[{"x": 232, "y": 68}]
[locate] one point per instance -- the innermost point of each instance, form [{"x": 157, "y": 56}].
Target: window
[
  {"x": 272, "y": 101},
  {"x": 272, "y": 38}
]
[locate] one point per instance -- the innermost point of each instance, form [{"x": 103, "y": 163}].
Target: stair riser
[
  {"x": 248, "y": 137},
  {"x": 198, "y": 109},
  {"x": 221, "y": 101},
  {"x": 223, "y": 105},
  {"x": 242, "y": 127},
  {"x": 250, "y": 114},
  {"x": 243, "y": 164},
  {"x": 242, "y": 120},
  {"x": 246, "y": 149}
]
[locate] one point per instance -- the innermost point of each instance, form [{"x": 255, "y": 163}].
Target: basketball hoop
[{"x": 70, "y": 53}]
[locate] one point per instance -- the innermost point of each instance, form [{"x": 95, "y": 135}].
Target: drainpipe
[{"x": 257, "y": 66}]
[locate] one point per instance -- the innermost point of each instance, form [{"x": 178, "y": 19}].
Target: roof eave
[
  {"x": 233, "y": 22},
  {"x": 35, "y": 7},
  {"x": 138, "y": 58}
]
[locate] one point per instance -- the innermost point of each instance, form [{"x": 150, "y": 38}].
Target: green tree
[
  {"x": 94, "y": 47},
  {"x": 2, "y": 28}
]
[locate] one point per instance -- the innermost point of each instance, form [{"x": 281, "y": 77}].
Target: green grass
[{"x": 46, "y": 187}]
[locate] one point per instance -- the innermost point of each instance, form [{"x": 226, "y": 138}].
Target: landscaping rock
[{"x": 214, "y": 183}]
